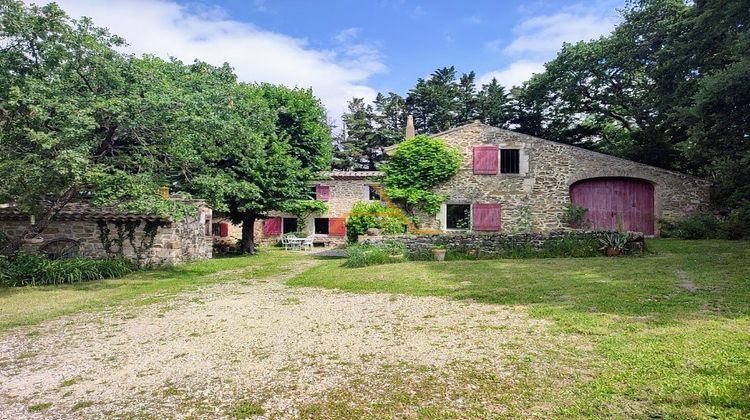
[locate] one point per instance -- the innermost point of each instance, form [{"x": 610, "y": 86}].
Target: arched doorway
[{"x": 616, "y": 202}]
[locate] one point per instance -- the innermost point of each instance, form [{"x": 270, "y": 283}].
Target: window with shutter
[
  {"x": 272, "y": 227},
  {"x": 485, "y": 160},
  {"x": 223, "y": 229},
  {"x": 336, "y": 226},
  {"x": 322, "y": 192},
  {"x": 486, "y": 217}
]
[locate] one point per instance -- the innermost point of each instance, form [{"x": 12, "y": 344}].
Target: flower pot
[
  {"x": 613, "y": 252},
  {"x": 439, "y": 254}
]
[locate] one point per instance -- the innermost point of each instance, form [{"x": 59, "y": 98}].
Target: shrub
[
  {"x": 366, "y": 215},
  {"x": 35, "y": 270},
  {"x": 575, "y": 215},
  {"x": 416, "y": 166},
  {"x": 362, "y": 255},
  {"x": 699, "y": 226},
  {"x": 737, "y": 224}
]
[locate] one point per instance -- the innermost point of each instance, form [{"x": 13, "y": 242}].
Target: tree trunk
[{"x": 248, "y": 234}]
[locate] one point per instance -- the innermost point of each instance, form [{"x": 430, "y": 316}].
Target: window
[
  {"x": 313, "y": 192},
  {"x": 289, "y": 225},
  {"x": 485, "y": 160},
  {"x": 458, "y": 216},
  {"x": 373, "y": 193},
  {"x": 509, "y": 161},
  {"x": 220, "y": 229},
  {"x": 321, "y": 226},
  {"x": 486, "y": 217}
]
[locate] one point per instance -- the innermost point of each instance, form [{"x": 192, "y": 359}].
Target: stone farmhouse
[{"x": 510, "y": 182}]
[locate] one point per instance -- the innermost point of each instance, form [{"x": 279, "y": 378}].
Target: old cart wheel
[{"x": 60, "y": 249}]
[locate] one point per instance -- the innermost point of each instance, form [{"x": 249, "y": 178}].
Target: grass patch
[
  {"x": 38, "y": 408},
  {"x": 665, "y": 350},
  {"x": 35, "y": 304},
  {"x": 245, "y": 409},
  {"x": 80, "y": 405}
]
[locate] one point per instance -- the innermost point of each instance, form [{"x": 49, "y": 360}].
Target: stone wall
[
  {"x": 174, "y": 243},
  {"x": 540, "y": 192},
  {"x": 491, "y": 243}
]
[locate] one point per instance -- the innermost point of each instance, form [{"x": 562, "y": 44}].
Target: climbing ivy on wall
[
  {"x": 126, "y": 230},
  {"x": 415, "y": 168}
]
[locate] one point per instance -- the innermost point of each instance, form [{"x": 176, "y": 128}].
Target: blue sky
[{"x": 345, "y": 48}]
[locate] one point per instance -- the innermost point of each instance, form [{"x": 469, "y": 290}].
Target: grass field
[
  {"x": 664, "y": 335},
  {"x": 671, "y": 329}
]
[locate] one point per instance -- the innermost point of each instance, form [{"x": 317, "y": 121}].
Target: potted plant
[
  {"x": 614, "y": 244},
  {"x": 438, "y": 251}
]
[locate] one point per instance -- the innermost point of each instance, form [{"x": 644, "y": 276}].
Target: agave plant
[{"x": 614, "y": 243}]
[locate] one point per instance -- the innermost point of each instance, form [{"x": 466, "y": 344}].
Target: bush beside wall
[{"x": 33, "y": 270}]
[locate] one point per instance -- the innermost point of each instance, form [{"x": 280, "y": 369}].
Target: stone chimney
[{"x": 410, "y": 132}]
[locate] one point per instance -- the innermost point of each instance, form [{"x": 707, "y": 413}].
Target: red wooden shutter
[
  {"x": 323, "y": 192},
  {"x": 486, "y": 217},
  {"x": 485, "y": 160},
  {"x": 223, "y": 229},
  {"x": 272, "y": 227},
  {"x": 336, "y": 226}
]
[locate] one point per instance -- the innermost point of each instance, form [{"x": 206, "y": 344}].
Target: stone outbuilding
[{"x": 94, "y": 229}]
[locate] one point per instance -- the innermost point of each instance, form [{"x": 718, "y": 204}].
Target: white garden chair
[
  {"x": 307, "y": 243},
  {"x": 286, "y": 242}
]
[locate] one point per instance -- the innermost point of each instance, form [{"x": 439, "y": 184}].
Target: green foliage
[
  {"x": 34, "y": 270},
  {"x": 736, "y": 225},
  {"x": 416, "y": 166},
  {"x": 667, "y": 87},
  {"x": 361, "y": 255},
  {"x": 77, "y": 116},
  {"x": 373, "y": 214},
  {"x": 303, "y": 208},
  {"x": 575, "y": 215},
  {"x": 614, "y": 240}
]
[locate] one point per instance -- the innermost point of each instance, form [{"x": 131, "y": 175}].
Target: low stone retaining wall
[{"x": 494, "y": 243}]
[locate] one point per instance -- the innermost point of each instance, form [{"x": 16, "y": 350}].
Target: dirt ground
[{"x": 261, "y": 348}]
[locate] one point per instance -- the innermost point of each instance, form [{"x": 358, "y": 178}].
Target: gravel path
[{"x": 201, "y": 353}]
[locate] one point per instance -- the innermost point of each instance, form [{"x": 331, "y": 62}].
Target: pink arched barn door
[{"x": 610, "y": 200}]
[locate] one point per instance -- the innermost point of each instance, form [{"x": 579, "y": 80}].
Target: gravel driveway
[{"x": 258, "y": 346}]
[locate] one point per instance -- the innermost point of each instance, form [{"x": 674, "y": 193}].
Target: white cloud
[
  {"x": 513, "y": 75},
  {"x": 166, "y": 28},
  {"x": 539, "y": 38},
  {"x": 546, "y": 34}
]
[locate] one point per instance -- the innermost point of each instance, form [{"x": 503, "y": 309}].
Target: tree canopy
[
  {"x": 79, "y": 119},
  {"x": 668, "y": 87}
]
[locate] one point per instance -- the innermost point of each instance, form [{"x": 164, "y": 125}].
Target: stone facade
[
  {"x": 346, "y": 189},
  {"x": 174, "y": 243},
  {"x": 534, "y": 199},
  {"x": 541, "y": 189}
]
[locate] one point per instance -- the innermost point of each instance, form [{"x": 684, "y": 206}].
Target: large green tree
[{"x": 75, "y": 116}]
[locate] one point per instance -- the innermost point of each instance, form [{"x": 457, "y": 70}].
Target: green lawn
[
  {"x": 671, "y": 329},
  {"x": 32, "y": 305},
  {"x": 668, "y": 332}
]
